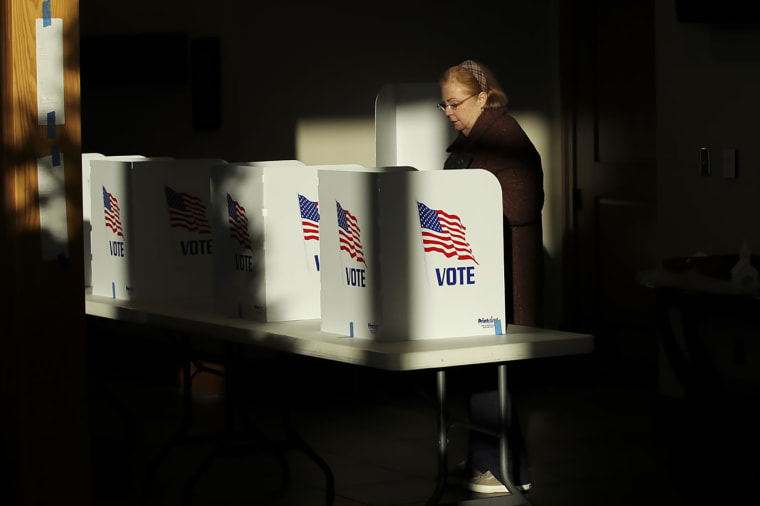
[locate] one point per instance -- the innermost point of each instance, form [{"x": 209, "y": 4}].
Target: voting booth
[
  {"x": 87, "y": 207},
  {"x": 409, "y": 129},
  {"x": 151, "y": 228},
  {"x": 267, "y": 240},
  {"x": 411, "y": 254}
]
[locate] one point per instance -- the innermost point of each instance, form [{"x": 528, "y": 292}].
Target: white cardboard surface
[
  {"x": 146, "y": 245},
  {"x": 87, "y": 207},
  {"x": 409, "y": 128},
  {"x": 266, "y": 266},
  {"x": 398, "y": 290}
]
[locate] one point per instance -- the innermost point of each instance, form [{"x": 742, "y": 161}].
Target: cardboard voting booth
[
  {"x": 411, "y": 254},
  {"x": 409, "y": 129},
  {"x": 267, "y": 240},
  {"x": 151, "y": 228},
  {"x": 87, "y": 207}
]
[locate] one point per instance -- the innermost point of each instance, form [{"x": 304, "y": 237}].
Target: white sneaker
[{"x": 486, "y": 483}]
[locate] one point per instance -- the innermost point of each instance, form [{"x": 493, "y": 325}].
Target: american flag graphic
[
  {"x": 309, "y": 218},
  {"x": 444, "y": 233},
  {"x": 112, "y": 213},
  {"x": 349, "y": 234},
  {"x": 186, "y": 211},
  {"x": 238, "y": 222}
]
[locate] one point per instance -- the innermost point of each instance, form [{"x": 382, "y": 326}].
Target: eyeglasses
[{"x": 443, "y": 105}]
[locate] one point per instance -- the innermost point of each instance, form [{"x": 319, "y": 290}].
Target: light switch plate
[{"x": 729, "y": 163}]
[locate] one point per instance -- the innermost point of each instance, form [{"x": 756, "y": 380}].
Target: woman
[{"x": 490, "y": 138}]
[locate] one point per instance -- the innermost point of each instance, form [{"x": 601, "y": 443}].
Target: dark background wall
[
  {"x": 282, "y": 61},
  {"x": 707, "y": 79}
]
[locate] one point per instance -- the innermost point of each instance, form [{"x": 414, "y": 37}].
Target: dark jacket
[{"x": 498, "y": 144}]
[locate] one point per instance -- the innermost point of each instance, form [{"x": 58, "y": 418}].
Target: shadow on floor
[{"x": 591, "y": 440}]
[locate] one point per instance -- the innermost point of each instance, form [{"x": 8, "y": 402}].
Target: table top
[
  {"x": 304, "y": 337},
  {"x": 713, "y": 275}
]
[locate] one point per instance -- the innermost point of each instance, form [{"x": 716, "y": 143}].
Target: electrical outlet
[{"x": 729, "y": 163}]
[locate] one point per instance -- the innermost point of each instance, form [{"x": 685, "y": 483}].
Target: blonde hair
[{"x": 476, "y": 78}]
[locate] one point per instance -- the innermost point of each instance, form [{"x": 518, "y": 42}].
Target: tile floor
[{"x": 592, "y": 440}]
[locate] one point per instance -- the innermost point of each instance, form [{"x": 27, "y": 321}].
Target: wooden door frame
[
  {"x": 568, "y": 77},
  {"x": 44, "y": 450}
]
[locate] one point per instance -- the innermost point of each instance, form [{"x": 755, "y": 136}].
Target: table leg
[
  {"x": 443, "y": 437},
  {"x": 231, "y": 441},
  {"x": 516, "y": 497},
  {"x": 299, "y": 443}
]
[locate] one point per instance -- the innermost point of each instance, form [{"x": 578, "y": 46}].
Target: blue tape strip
[
  {"x": 113, "y": 290},
  {"x": 497, "y": 326},
  {"x": 351, "y": 327},
  {"x": 55, "y": 154},
  {"x": 46, "y": 21},
  {"x": 51, "y": 125}
]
